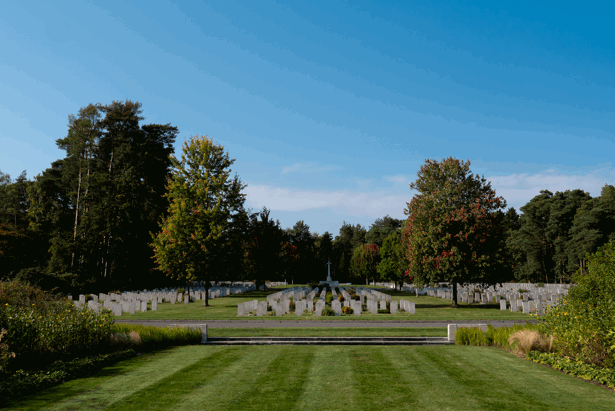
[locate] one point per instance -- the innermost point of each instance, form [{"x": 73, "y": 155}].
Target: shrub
[
  {"x": 41, "y": 330},
  {"x": 328, "y": 298},
  {"x": 347, "y": 310},
  {"x": 471, "y": 336},
  {"x": 582, "y": 322},
  {"x": 292, "y": 306},
  {"x": 530, "y": 340},
  {"x": 579, "y": 369},
  {"x": 327, "y": 311},
  {"x": 5, "y": 354},
  {"x": 340, "y": 298},
  {"x": 152, "y": 338},
  {"x": 540, "y": 285},
  {"x": 180, "y": 291}
]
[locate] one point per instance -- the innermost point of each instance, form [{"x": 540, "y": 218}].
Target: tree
[
  {"x": 265, "y": 248},
  {"x": 365, "y": 260},
  {"x": 393, "y": 264},
  {"x": 592, "y": 227},
  {"x": 305, "y": 258},
  {"x": 350, "y": 236},
  {"x": 454, "y": 232},
  {"x": 324, "y": 250},
  {"x": 381, "y": 229},
  {"x": 195, "y": 240}
]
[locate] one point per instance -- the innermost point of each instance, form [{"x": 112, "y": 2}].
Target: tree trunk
[
  {"x": 206, "y": 303},
  {"x": 454, "y": 304}
]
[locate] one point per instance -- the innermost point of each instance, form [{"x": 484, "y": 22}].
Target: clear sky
[{"x": 329, "y": 107}]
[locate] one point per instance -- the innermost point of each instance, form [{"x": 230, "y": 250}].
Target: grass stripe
[
  {"x": 115, "y": 382},
  {"x": 329, "y": 374},
  {"x": 167, "y": 393},
  {"x": 233, "y": 386},
  {"x": 377, "y": 380},
  {"x": 282, "y": 382}
]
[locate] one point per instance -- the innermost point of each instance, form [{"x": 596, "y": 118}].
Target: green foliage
[
  {"x": 291, "y": 306},
  {"x": 471, "y": 336},
  {"x": 5, "y": 354},
  {"x": 350, "y": 236},
  {"x": 42, "y": 329},
  {"x": 495, "y": 336},
  {"x": 605, "y": 376},
  {"x": 455, "y": 229},
  {"x": 393, "y": 264},
  {"x": 327, "y": 311},
  {"x": 582, "y": 322},
  {"x": 347, "y": 311},
  {"x": 155, "y": 338},
  {"x": 365, "y": 260},
  {"x": 381, "y": 229},
  {"x": 23, "y": 382},
  {"x": 329, "y": 298},
  {"x": 200, "y": 238}
]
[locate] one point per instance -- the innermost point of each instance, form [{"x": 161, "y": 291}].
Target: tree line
[{"x": 121, "y": 211}]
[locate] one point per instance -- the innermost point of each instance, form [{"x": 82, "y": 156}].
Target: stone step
[{"x": 328, "y": 341}]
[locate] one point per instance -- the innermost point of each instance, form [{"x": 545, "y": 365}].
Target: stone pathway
[{"x": 320, "y": 324}]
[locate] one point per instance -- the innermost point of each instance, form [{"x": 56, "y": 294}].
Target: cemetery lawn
[
  {"x": 329, "y": 332},
  {"x": 325, "y": 377},
  {"x": 427, "y": 308}
]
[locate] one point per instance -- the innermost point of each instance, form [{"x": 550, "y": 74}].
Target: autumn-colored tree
[
  {"x": 454, "y": 232},
  {"x": 365, "y": 260},
  {"x": 197, "y": 240}
]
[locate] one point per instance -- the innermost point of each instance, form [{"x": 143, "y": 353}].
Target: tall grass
[{"x": 149, "y": 338}]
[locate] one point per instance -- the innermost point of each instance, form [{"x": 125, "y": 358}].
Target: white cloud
[
  {"x": 374, "y": 204},
  {"x": 309, "y": 168},
  {"x": 398, "y": 178},
  {"x": 518, "y": 189}
]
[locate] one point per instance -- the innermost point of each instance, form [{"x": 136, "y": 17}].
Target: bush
[
  {"x": 347, "y": 310},
  {"x": 41, "y": 330},
  {"x": 327, "y": 311},
  {"x": 340, "y": 298},
  {"x": 530, "y": 340},
  {"x": 582, "y": 322},
  {"x": 328, "y": 298},
  {"x": 152, "y": 338},
  {"x": 605, "y": 376},
  {"x": 5, "y": 354},
  {"x": 497, "y": 337},
  {"x": 471, "y": 336},
  {"x": 291, "y": 306}
]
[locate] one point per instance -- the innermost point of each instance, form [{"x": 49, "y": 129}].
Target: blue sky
[{"x": 329, "y": 107}]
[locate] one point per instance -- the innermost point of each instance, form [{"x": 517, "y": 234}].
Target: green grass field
[
  {"x": 329, "y": 377},
  {"x": 427, "y": 308}
]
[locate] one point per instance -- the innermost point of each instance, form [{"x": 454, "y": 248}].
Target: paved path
[{"x": 319, "y": 324}]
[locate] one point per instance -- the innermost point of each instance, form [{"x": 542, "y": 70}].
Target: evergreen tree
[{"x": 393, "y": 263}]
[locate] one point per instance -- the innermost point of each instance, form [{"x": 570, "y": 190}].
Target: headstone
[
  {"x": 82, "y": 299},
  {"x": 526, "y": 307},
  {"x": 310, "y": 305},
  {"x": 383, "y": 305},
  {"x": 180, "y": 297},
  {"x": 513, "y": 305},
  {"x": 356, "y": 307},
  {"x": 186, "y": 299},
  {"x": 155, "y": 304},
  {"x": 411, "y": 307},
  {"x": 337, "y": 307},
  {"x": 261, "y": 309},
  {"x": 503, "y": 305},
  {"x": 240, "y": 310},
  {"x": 393, "y": 307},
  {"x": 144, "y": 306}
]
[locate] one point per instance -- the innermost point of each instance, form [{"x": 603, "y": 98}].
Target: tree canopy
[{"x": 454, "y": 232}]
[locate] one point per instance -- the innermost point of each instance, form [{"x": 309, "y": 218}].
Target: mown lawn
[
  {"x": 427, "y": 308},
  {"x": 329, "y": 377}
]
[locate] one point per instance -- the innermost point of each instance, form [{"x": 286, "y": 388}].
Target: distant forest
[{"x": 88, "y": 222}]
